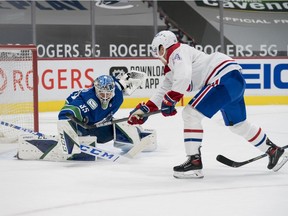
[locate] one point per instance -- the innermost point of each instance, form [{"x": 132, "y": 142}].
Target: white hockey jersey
[{"x": 191, "y": 69}]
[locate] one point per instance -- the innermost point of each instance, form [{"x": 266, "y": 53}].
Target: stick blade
[{"x": 226, "y": 161}]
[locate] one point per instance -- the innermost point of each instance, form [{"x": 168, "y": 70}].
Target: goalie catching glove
[
  {"x": 136, "y": 115},
  {"x": 131, "y": 81}
]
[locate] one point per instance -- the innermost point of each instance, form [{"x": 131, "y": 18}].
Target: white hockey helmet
[
  {"x": 105, "y": 89},
  {"x": 166, "y": 39}
]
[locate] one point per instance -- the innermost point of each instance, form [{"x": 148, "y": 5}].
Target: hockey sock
[
  {"x": 193, "y": 130},
  {"x": 252, "y": 134}
]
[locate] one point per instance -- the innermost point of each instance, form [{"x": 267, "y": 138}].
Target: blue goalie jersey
[{"x": 85, "y": 105}]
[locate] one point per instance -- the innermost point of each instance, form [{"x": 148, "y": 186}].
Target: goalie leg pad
[
  {"x": 103, "y": 134},
  {"x": 61, "y": 148},
  {"x": 128, "y": 136},
  {"x": 83, "y": 156},
  {"x": 31, "y": 147},
  {"x": 68, "y": 138}
]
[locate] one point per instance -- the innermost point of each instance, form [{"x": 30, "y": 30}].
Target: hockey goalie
[{"x": 84, "y": 125}]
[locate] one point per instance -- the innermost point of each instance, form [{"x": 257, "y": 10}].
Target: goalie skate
[{"x": 279, "y": 165}]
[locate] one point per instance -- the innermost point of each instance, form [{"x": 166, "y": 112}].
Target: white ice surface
[{"x": 145, "y": 186}]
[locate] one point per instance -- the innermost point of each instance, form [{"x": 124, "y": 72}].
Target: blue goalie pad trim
[
  {"x": 69, "y": 142},
  {"x": 142, "y": 134},
  {"x": 83, "y": 156},
  {"x": 121, "y": 136},
  {"x": 44, "y": 145}
]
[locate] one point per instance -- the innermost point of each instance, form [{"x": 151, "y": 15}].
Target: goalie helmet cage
[{"x": 18, "y": 89}]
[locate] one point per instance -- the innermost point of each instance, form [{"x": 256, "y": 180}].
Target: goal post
[{"x": 18, "y": 89}]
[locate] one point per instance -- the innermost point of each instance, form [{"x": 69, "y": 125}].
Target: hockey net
[{"x": 18, "y": 90}]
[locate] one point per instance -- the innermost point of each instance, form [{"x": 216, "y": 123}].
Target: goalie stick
[
  {"x": 40, "y": 135},
  {"x": 235, "y": 164},
  {"x": 105, "y": 123},
  {"x": 94, "y": 151},
  {"x": 102, "y": 153}
]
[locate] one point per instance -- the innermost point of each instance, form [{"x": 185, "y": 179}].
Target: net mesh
[{"x": 16, "y": 91}]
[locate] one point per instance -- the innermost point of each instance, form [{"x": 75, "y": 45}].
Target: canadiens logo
[
  {"x": 177, "y": 57},
  {"x": 3, "y": 81}
]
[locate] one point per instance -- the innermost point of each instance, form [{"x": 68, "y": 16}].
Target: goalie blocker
[{"x": 130, "y": 140}]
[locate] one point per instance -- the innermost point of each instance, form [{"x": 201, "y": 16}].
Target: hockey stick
[
  {"x": 138, "y": 147},
  {"x": 105, "y": 123},
  {"x": 101, "y": 153},
  {"x": 40, "y": 135},
  {"x": 235, "y": 164}
]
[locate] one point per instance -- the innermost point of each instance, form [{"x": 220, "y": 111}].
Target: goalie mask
[
  {"x": 163, "y": 38},
  {"x": 105, "y": 89}
]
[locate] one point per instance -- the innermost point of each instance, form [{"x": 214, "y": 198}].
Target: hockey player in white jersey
[{"x": 220, "y": 85}]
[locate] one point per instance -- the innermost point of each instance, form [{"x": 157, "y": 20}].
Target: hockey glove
[
  {"x": 135, "y": 116},
  {"x": 169, "y": 101},
  {"x": 131, "y": 81}
]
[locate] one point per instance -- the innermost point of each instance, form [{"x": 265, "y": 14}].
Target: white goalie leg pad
[
  {"x": 149, "y": 136},
  {"x": 68, "y": 138},
  {"x": 8, "y": 137},
  {"x": 32, "y": 147},
  {"x": 134, "y": 139}
]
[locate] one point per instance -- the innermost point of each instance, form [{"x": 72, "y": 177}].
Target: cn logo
[
  {"x": 108, "y": 4},
  {"x": 3, "y": 81}
]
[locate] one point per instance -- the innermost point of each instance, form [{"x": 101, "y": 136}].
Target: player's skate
[
  {"x": 192, "y": 168},
  {"x": 274, "y": 153}
]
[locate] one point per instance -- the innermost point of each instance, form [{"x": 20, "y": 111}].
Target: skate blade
[
  {"x": 193, "y": 174},
  {"x": 280, "y": 164}
]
